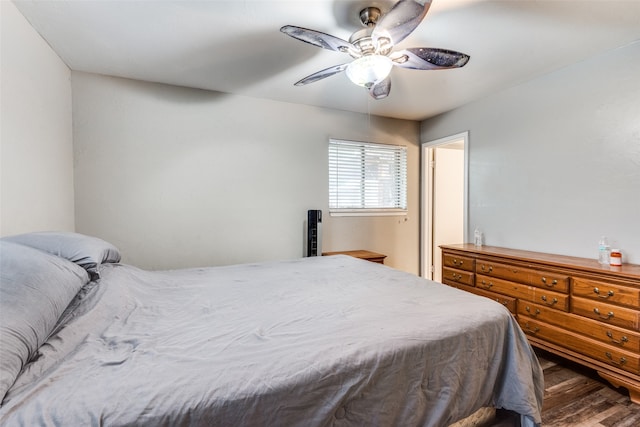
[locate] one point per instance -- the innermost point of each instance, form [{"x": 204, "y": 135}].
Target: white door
[{"x": 444, "y": 195}]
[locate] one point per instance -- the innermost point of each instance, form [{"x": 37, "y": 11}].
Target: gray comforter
[{"x": 325, "y": 341}]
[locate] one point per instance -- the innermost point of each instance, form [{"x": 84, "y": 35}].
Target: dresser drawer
[
  {"x": 457, "y": 276},
  {"x": 544, "y": 313},
  {"x": 540, "y": 278},
  {"x": 544, "y": 297},
  {"x": 607, "y": 313},
  {"x": 507, "y": 301},
  {"x": 548, "y": 280},
  {"x": 503, "y": 271},
  {"x": 608, "y": 334},
  {"x": 459, "y": 262},
  {"x": 602, "y": 291},
  {"x": 613, "y": 356}
]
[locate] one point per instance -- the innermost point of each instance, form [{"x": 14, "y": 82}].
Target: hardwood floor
[{"x": 576, "y": 396}]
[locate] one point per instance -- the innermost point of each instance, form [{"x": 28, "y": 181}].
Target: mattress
[{"x": 322, "y": 341}]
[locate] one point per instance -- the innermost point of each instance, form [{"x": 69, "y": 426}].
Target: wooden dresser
[{"x": 573, "y": 307}]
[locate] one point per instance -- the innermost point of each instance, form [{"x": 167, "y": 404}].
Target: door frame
[{"x": 427, "y": 194}]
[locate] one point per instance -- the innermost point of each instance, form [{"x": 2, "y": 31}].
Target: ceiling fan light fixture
[
  {"x": 372, "y": 47},
  {"x": 369, "y": 70}
]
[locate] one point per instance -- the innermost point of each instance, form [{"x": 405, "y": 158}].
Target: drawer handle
[
  {"x": 607, "y": 317},
  {"x": 622, "y": 341},
  {"x": 485, "y": 268},
  {"x": 553, "y": 301},
  {"x": 456, "y": 277},
  {"x": 456, "y": 262},
  {"x": 553, "y": 282},
  {"x": 527, "y": 328},
  {"x": 610, "y": 357},
  {"x": 487, "y": 285},
  {"x": 528, "y": 309},
  {"x": 608, "y": 295}
]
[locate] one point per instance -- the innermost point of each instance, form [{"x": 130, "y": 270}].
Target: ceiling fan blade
[
  {"x": 401, "y": 20},
  {"x": 316, "y": 38},
  {"x": 327, "y": 72},
  {"x": 381, "y": 89},
  {"x": 426, "y": 58}
]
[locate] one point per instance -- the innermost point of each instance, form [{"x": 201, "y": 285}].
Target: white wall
[
  {"x": 36, "y": 165},
  {"x": 555, "y": 163},
  {"x": 178, "y": 177}
]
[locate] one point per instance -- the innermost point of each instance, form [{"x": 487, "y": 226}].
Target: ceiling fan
[{"x": 372, "y": 47}]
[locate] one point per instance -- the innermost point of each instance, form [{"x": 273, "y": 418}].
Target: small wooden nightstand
[{"x": 362, "y": 254}]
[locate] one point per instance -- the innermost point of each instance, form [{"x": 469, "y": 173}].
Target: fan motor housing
[{"x": 369, "y": 17}]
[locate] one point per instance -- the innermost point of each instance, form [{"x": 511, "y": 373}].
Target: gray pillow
[
  {"x": 35, "y": 288},
  {"x": 86, "y": 251}
]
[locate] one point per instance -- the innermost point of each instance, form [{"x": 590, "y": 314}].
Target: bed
[{"x": 320, "y": 341}]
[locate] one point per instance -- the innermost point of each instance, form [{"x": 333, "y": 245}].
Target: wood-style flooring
[{"x": 575, "y": 396}]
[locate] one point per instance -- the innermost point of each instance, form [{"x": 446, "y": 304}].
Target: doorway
[{"x": 444, "y": 207}]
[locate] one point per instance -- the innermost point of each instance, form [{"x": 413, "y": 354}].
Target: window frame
[{"x": 376, "y": 211}]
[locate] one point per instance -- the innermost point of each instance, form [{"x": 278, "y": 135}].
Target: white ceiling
[{"x": 235, "y": 46}]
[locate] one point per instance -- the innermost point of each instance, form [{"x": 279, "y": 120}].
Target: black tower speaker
[{"x": 314, "y": 232}]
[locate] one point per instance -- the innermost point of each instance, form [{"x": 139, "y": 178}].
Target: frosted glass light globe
[{"x": 369, "y": 69}]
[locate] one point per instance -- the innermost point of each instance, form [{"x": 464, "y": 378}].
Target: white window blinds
[{"x": 365, "y": 176}]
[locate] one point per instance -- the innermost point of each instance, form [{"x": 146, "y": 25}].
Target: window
[{"x": 367, "y": 178}]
